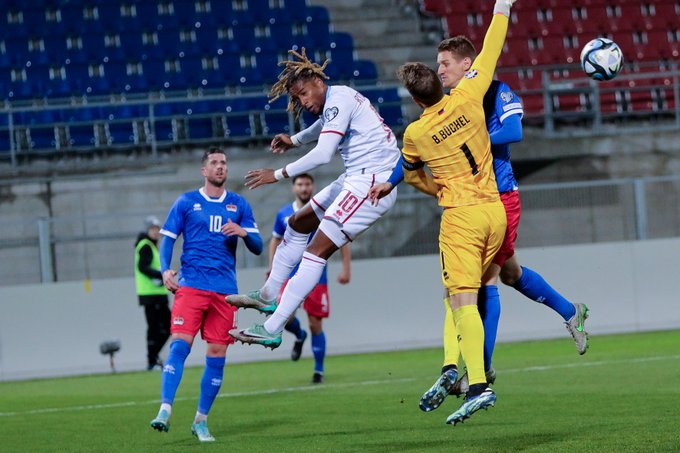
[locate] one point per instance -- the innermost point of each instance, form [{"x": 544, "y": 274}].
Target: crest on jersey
[
  {"x": 330, "y": 113},
  {"x": 471, "y": 74},
  {"x": 231, "y": 207},
  {"x": 507, "y": 96}
]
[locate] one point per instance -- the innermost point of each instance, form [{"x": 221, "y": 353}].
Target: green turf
[{"x": 623, "y": 395}]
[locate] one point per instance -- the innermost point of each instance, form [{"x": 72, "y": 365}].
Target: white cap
[{"x": 152, "y": 221}]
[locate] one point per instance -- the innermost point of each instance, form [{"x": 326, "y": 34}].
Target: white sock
[
  {"x": 302, "y": 283},
  {"x": 287, "y": 255},
  {"x": 200, "y": 417},
  {"x": 166, "y": 407}
]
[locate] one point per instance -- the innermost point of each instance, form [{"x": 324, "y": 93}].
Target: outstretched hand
[
  {"x": 379, "y": 191},
  {"x": 281, "y": 143},
  {"x": 259, "y": 177}
]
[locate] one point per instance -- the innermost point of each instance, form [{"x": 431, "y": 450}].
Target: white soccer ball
[{"x": 601, "y": 59}]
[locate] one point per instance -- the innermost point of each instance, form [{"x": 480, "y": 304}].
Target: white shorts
[{"x": 344, "y": 208}]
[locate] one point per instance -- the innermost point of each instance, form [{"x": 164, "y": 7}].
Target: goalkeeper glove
[{"x": 503, "y": 7}]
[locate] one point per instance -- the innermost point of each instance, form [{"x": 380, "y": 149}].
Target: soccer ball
[{"x": 601, "y": 59}]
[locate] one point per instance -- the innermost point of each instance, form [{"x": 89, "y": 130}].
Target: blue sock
[
  {"x": 319, "y": 350},
  {"x": 210, "y": 383},
  {"x": 489, "y": 304},
  {"x": 293, "y": 326},
  {"x": 172, "y": 370},
  {"x": 536, "y": 288}
]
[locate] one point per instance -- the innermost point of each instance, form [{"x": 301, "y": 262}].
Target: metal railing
[
  {"x": 78, "y": 247},
  {"x": 150, "y": 109},
  {"x": 643, "y": 97}
]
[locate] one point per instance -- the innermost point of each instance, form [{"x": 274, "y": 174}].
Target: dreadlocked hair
[{"x": 294, "y": 70}]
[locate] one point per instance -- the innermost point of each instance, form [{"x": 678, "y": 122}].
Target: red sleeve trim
[{"x": 333, "y": 132}]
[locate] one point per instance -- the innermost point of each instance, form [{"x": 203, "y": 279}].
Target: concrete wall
[{"x": 391, "y": 304}]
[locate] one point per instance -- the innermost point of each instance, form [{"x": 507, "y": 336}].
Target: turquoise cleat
[
  {"x": 252, "y": 300},
  {"x": 161, "y": 422},
  {"x": 434, "y": 397},
  {"x": 200, "y": 430},
  {"x": 471, "y": 405},
  {"x": 575, "y": 326},
  {"x": 257, "y": 334}
]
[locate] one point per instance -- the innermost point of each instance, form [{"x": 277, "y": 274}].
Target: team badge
[
  {"x": 471, "y": 74},
  {"x": 231, "y": 207},
  {"x": 178, "y": 321},
  {"x": 507, "y": 96},
  {"x": 330, "y": 113}
]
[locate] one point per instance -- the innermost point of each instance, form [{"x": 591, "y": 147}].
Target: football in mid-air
[{"x": 601, "y": 59}]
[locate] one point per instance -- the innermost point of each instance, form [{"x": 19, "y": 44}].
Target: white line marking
[{"x": 308, "y": 388}]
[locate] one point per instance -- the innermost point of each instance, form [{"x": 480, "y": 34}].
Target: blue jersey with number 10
[{"x": 208, "y": 256}]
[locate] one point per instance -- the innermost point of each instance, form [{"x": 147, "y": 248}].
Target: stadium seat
[
  {"x": 80, "y": 136},
  {"x": 200, "y": 127},
  {"x": 276, "y": 118},
  {"x": 5, "y": 145},
  {"x": 164, "y": 130},
  {"x": 119, "y": 133},
  {"x": 364, "y": 71},
  {"x": 42, "y": 138},
  {"x": 262, "y": 32}
]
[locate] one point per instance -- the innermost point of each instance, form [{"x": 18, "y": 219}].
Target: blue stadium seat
[
  {"x": 276, "y": 119},
  {"x": 164, "y": 130},
  {"x": 200, "y": 127},
  {"x": 307, "y": 119},
  {"x": 136, "y": 83},
  {"x": 120, "y": 133},
  {"x": 318, "y": 26},
  {"x": 81, "y": 136},
  {"x": 42, "y": 138},
  {"x": 239, "y": 119},
  {"x": 37, "y": 117},
  {"x": 109, "y": 14},
  {"x": 168, "y": 41},
  {"x": 388, "y": 104},
  {"x": 95, "y": 86},
  {"x": 129, "y": 111},
  {"x": 21, "y": 90},
  {"x": 5, "y": 145},
  {"x": 365, "y": 71},
  {"x": 82, "y": 114},
  {"x": 93, "y": 48},
  {"x": 342, "y": 54},
  {"x": 282, "y": 34}
]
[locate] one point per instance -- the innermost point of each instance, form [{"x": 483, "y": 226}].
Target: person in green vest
[{"x": 151, "y": 292}]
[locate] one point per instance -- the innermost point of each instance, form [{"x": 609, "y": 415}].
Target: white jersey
[{"x": 368, "y": 145}]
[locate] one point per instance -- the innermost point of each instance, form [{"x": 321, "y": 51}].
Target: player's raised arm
[
  {"x": 414, "y": 171},
  {"x": 477, "y": 80},
  {"x": 283, "y": 142},
  {"x": 321, "y": 154}
]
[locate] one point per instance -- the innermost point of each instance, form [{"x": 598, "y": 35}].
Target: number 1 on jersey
[{"x": 470, "y": 158}]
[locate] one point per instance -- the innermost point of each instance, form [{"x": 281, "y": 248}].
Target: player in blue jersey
[
  {"x": 503, "y": 111},
  {"x": 211, "y": 219},
  {"x": 317, "y": 302}
]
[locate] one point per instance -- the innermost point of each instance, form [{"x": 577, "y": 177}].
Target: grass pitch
[{"x": 623, "y": 395}]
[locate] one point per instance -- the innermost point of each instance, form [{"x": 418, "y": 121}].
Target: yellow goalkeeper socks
[{"x": 471, "y": 341}]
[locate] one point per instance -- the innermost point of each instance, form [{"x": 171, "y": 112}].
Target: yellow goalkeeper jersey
[{"x": 451, "y": 136}]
